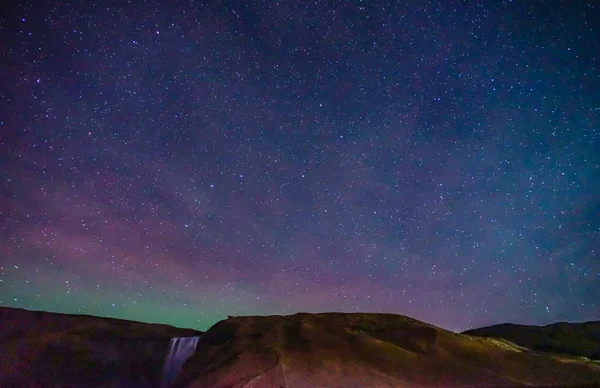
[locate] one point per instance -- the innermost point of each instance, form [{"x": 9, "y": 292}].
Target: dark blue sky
[{"x": 183, "y": 161}]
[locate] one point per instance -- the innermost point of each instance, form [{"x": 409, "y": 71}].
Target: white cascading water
[{"x": 180, "y": 349}]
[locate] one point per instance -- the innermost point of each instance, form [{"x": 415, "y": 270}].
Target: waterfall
[{"x": 180, "y": 349}]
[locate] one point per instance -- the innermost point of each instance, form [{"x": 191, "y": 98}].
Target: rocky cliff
[{"x": 41, "y": 349}]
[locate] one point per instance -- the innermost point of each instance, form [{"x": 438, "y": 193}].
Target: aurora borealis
[{"x": 179, "y": 162}]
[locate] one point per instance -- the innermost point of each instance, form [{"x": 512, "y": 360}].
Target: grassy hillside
[
  {"x": 577, "y": 339},
  {"x": 376, "y": 350}
]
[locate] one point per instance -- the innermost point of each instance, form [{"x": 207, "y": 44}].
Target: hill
[
  {"x": 577, "y": 339},
  {"x": 41, "y": 349},
  {"x": 375, "y": 350}
]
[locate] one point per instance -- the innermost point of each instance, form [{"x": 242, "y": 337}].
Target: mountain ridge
[{"x": 300, "y": 350}]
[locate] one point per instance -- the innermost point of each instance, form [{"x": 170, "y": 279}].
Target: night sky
[{"x": 181, "y": 162}]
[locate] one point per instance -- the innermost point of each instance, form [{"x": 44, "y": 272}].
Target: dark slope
[
  {"x": 577, "y": 339},
  {"x": 40, "y": 349},
  {"x": 375, "y": 350}
]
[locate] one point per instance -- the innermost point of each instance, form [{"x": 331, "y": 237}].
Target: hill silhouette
[
  {"x": 577, "y": 339},
  {"x": 375, "y": 350},
  {"x": 40, "y": 349}
]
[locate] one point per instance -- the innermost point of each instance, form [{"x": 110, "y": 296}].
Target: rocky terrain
[{"x": 40, "y": 349}]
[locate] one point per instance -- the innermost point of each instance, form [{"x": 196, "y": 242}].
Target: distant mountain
[
  {"x": 40, "y": 349},
  {"x": 577, "y": 339},
  {"x": 368, "y": 350}
]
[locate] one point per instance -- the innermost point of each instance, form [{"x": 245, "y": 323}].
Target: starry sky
[{"x": 178, "y": 162}]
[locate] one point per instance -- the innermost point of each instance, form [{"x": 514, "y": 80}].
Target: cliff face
[
  {"x": 40, "y": 349},
  {"x": 577, "y": 339},
  {"x": 375, "y": 350}
]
